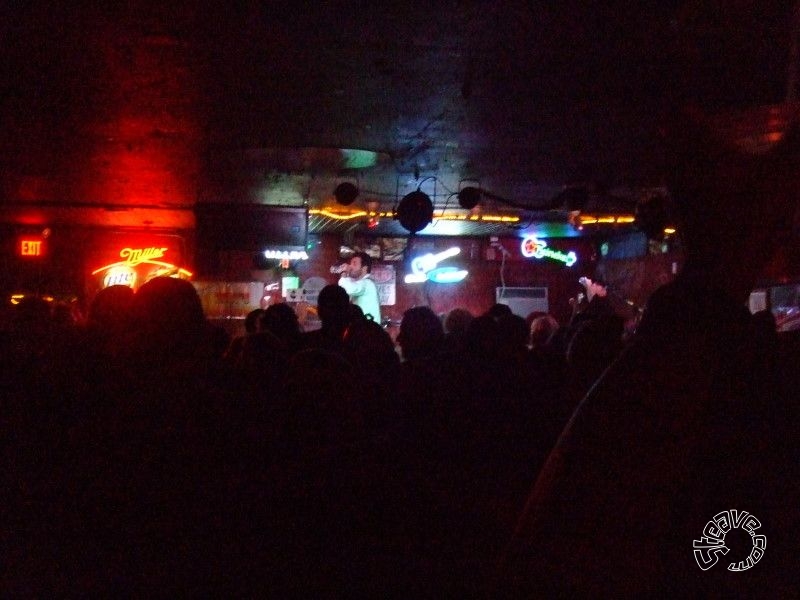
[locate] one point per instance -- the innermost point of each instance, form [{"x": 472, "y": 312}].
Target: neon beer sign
[
  {"x": 533, "y": 247},
  {"x": 136, "y": 256},
  {"x": 120, "y": 276},
  {"x": 425, "y": 268},
  {"x": 130, "y": 270}
]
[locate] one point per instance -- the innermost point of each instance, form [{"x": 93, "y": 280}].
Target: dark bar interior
[{"x": 452, "y": 299}]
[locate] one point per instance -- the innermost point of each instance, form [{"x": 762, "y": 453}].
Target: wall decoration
[
  {"x": 533, "y": 247},
  {"x": 425, "y": 268},
  {"x": 392, "y": 249},
  {"x": 385, "y": 279}
]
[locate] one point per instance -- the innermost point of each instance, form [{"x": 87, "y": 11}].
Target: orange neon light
[
  {"x": 596, "y": 219},
  {"x": 17, "y": 298},
  {"x": 168, "y": 267},
  {"x": 345, "y": 216},
  {"x": 337, "y": 216}
]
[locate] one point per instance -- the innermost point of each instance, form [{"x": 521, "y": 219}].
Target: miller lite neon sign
[{"x": 124, "y": 272}]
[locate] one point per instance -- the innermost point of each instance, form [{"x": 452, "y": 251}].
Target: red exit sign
[{"x": 31, "y": 247}]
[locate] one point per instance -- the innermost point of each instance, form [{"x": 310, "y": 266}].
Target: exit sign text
[{"x": 30, "y": 247}]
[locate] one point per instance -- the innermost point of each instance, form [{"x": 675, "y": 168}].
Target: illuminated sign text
[
  {"x": 536, "y": 248},
  {"x": 120, "y": 276},
  {"x": 30, "y": 247},
  {"x": 286, "y": 255},
  {"x": 135, "y": 256}
]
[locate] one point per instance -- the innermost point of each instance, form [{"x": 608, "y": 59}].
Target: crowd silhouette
[
  {"x": 147, "y": 451},
  {"x": 150, "y": 451}
]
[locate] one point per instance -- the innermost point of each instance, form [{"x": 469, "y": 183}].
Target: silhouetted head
[
  {"x": 542, "y": 329},
  {"x": 457, "y": 321},
  {"x": 499, "y": 310},
  {"x": 421, "y": 333},
  {"x": 368, "y": 346},
  {"x": 111, "y": 307},
  {"x": 168, "y": 316},
  {"x": 333, "y": 306},
  {"x": 252, "y": 322},
  {"x": 263, "y": 352},
  {"x": 281, "y": 320}
]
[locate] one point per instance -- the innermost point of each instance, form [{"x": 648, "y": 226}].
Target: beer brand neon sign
[
  {"x": 532, "y": 247},
  {"x": 136, "y": 256},
  {"x": 123, "y": 272},
  {"x": 120, "y": 276}
]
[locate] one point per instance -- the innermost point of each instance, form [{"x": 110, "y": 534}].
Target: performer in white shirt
[{"x": 358, "y": 284}]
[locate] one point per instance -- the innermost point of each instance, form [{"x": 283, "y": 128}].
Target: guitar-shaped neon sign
[{"x": 424, "y": 268}]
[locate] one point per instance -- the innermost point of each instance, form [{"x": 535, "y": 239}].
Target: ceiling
[{"x": 521, "y": 99}]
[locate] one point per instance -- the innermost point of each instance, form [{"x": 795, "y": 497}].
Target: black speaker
[
  {"x": 415, "y": 211},
  {"x": 469, "y": 197},
  {"x": 345, "y": 193}
]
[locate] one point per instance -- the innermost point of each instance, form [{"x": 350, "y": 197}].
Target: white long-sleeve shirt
[{"x": 364, "y": 293}]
